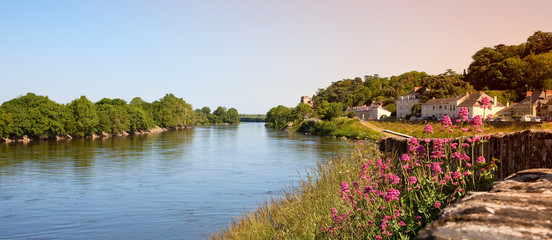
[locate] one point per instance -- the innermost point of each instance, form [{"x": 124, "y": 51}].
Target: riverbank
[
  {"x": 341, "y": 127},
  {"x": 372, "y": 194},
  {"x": 26, "y": 139}
]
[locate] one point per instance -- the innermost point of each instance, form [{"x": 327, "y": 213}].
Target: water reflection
[{"x": 171, "y": 185}]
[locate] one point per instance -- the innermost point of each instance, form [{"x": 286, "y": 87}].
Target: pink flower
[
  {"x": 480, "y": 159},
  {"x": 464, "y": 114},
  {"x": 466, "y": 173},
  {"x": 428, "y": 129},
  {"x": 446, "y": 122},
  {"x": 412, "y": 180},
  {"x": 477, "y": 121},
  {"x": 392, "y": 194},
  {"x": 344, "y": 187},
  {"x": 401, "y": 223},
  {"x": 436, "y": 168},
  {"x": 437, "y": 204},
  {"x": 457, "y": 175},
  {"x": 405, "y": 158},
  {"x": 486, "y": 103}
]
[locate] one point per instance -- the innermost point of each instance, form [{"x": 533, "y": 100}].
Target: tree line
[
  {"x": 39, "y": 117},
  {"x": 505, "y": 71}
]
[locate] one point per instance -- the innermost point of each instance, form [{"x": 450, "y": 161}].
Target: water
[{"x": 172, "y": 185}]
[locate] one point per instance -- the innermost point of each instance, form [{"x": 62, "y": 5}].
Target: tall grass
[{"x": 303, "y": 209}]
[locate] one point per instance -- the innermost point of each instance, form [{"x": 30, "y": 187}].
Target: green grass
[
  {"x": 339, "y": 127},
  {"x": 416, "y": 129}
]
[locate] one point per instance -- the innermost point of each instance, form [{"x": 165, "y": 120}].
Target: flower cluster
[{"x": 396, "y": 198}]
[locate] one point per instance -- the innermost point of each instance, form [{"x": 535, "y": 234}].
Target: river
[{"x": 172, "y": 185}]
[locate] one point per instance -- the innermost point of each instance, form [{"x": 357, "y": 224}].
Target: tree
[
  {"x": 302, "y": 111},
  {"x": 171, "y": 111},
  {"x": 84, "y": 116},
  {"x": 6, "y": 122},
  {"x": 279, "y": 117},
  {"x": 36, "y": 116},
  {"x": 329, "y": 111},
  {"x": 232, "y": 116},
  {"x": 220, "y": 112}
]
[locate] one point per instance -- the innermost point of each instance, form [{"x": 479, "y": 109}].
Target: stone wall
[
  {"x": 515, "y": 151},
  {"x": 520, "y": 207}
]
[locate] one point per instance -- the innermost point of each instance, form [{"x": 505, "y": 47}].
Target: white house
[
  {"x": 405, "y": 103},
  {"x": 365, "y": 113},
  {"x": 438, "y": 108}
]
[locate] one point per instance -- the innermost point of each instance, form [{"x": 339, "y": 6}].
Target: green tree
[
  {"x": 36, "y": 116},
  {"x": 171, "y": 111},
  {"x": 84, "y": 116},
  {"x": 6, "y": 122},
  {"x": 279, "y": 117},
  {"x": 302, "y": 111},
  {"x": 329, "y": 111},
  {"x": 232, "y": 116},
  {"x": 220, "y": 112}
]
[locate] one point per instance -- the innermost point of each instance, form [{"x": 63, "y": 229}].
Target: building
[
  {"x": 372, "y": 112},
  {"x": 438, "y": 108},
  {"x": 307, "y": 100},
  {"x": 535, "y": 104},
  {"x": 405, "y": 103}
]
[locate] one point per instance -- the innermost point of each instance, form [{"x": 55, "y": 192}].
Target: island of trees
[
  {"x": 39, "y": 117},
  {"x": 505, "y": 71}
]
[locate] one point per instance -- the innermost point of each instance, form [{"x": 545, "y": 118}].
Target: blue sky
[{"x": 251, "y": 55}]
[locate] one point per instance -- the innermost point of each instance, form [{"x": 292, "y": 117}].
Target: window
[
  {"x": 434, "y": 108},
  {"x": 445, "y": 107},
  {"x": 440, "y": 107}
]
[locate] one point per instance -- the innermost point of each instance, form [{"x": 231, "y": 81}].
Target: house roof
[
  {"x": 474, "y": 99},
  {"x": 507, "y": 109},
  {"x": 534, "y": 98},
  {"x": 442, "y": 100}
]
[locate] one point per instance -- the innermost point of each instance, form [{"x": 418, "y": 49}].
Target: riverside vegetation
[
  {"x": 367, "y": 195},
  {"x": 505, "y": 71},
  {"x": 39, "y": 117}
]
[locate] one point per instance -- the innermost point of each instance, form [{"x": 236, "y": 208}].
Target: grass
[
  {"x": 364, "y": 196},
  {"x": 304, "y": 209},
  {"x": 416, "y": 129},
  {"x": 339, "y": 127}
]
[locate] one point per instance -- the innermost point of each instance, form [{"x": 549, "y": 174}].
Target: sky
[{"x": 250, "y": 55}]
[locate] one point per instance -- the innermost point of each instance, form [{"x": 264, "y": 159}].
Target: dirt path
[{"x": 375, "y": 128}]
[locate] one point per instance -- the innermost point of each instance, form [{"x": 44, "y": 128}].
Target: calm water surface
[{"x": 173, "y": 185}]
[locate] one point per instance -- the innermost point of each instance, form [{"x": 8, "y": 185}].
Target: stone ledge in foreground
[{"x": 519, "y": 207}]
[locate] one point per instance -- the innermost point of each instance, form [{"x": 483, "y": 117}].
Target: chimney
[
  {"x": 467, "y": 94},
  {"x": 507, "y": 104},
  {"x": 529, "y": 93},
  {"x": 548, "y": 93},
  {"x": 495, "y": 101}
]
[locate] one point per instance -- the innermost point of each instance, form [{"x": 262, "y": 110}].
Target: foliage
[
  {"x": 84, "y": 117},
  {"x": 171, "y": 111},
  {"x": 219, "y": 116},
  {"x": 365, "y": 196},
  {"x": 112, "y": 116},
  {"x": 39, "y": 117},
  {"x": 515, "y": 67},
  {"x": 35, "y": 115},
  {"x": 340, "y": 127},
  {"x": 279, "y": 117},
  {"x": 442, "y": 86},
  {"x": 6, "y": 122},
  {"x": 329, "y": 111}
]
